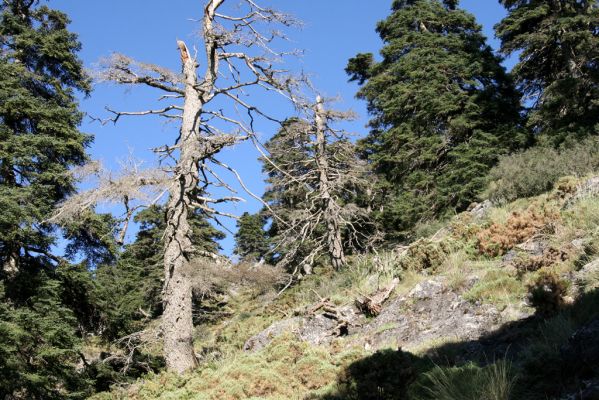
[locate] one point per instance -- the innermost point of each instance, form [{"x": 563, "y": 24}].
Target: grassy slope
[{"x": 289, "y": 369}]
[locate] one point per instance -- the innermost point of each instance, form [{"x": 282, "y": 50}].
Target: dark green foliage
[
  {"x": 130, "y": 290},
  {"x": 39, "y": 138},
  {"x": 443, "y": 110},
  {"x": 558, "y": 45},
  {"x": 42, "y": 313},
  {"x": 251, "y": 242},
  {"x": 38, "y": 344},
  {"x": 92, "y": 237}
]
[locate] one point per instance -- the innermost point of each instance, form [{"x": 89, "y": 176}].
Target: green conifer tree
[
  {"x": 443, "y": 110},
  {"x": 251, "y": 242},
  {"x": 558, "y": 45},
  {"x": 39, "y": 142}
]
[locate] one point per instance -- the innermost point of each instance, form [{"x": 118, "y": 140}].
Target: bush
[
  {"x": 498, "y": 239},
  {"x": 425, "y": 254},
  {"x": 536, "y": 170},
  {"x": 551, "y": 256},
  {"x": 546, "y": 293}
]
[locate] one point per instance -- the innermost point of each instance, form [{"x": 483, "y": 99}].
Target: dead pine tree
[
  {"x": 332, "y": 216},
  {"x": 315, "y": 186},
  {"x": 237, "y": 56}
]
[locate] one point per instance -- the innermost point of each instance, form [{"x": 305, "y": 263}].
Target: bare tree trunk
[
  {"x": 335, "y": 246},
  {"x": 200, "y": 140},
  {"x": 177, "y": 295}
]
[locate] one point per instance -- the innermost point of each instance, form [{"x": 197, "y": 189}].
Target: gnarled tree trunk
[
  {"x": 335, "y": 246},
  {"x": 177, "y": 296}
]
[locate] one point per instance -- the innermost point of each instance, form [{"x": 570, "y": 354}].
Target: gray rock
[
  {"x": 480, "y": 210},
  {"x": 426, "y": 290},
  {"x": 259, "y": 341},
  {"x": 588, "y": 276},
  {"x": 582, "y": 349}
]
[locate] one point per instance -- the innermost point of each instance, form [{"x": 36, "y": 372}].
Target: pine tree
[
  {"x": 236, "y": 56},
  {"x": 251, "y": 242},
  {"x": 315, "y": 180},
  {"x": 443, "y": 110},
  {"x": 558, "y": 45},
  {"x": 39, "y": 142}
]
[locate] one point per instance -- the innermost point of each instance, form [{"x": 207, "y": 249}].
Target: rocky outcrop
[{"x": 429, "y": 312}]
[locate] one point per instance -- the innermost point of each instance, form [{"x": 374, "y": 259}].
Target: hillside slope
[{"x": 501, "y": 303}]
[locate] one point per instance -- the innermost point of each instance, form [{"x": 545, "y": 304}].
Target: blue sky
[{"x": 333, "y": 31}]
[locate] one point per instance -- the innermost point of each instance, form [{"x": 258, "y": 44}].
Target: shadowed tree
[
  {"x": 237, "y": 57},
  {"x": 251, "y": 242}
]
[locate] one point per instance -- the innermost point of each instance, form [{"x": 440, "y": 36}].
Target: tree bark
[
  {"x": 177, "y": 295},
  {"x": 334, "y": 243}
]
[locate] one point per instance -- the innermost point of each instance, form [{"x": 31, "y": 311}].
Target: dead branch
[{"x": 372, "y": 305}]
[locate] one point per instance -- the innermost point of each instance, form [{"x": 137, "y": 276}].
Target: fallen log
[{"x": 372, "y": 305}]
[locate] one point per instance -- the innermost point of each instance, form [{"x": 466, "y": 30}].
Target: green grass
[
  {"x": 498, "y": 288},
  {"x": 468, "y": 382}
]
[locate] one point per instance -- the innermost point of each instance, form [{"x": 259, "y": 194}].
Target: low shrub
[
  {"x": 425, "y": 254},
  {"x": 550, "y": 257},
  {"x": 536, "y": 170},
  {"x": 546, "y": 293},
  {"x": 286, "y": 369},
  {"x": 468, "y": 382},
  {"x": 499, "y": 238}
]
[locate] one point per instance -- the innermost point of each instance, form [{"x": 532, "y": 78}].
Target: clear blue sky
[{"x": 334, "y": 31}]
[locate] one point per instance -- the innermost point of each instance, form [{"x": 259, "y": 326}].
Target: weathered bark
[
  {"x": 334, "y": 243},
  {"x": 372, "y": 305},
  {"x": 177, "y": 295},
  {"x": 195, "y": 151}
]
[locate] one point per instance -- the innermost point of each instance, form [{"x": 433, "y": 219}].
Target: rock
[
  {"x": 480, "y": 210},
  {"x": 590, "y": 391},
  {"x": 588, "y": 188},
  {"x": 426, "y": 290},
  {"x": 315, "y": 329},
  {"x": 535, "y": 246},
  {"x": 589, "y": 274},
  {"x": 509, "y": 257},
  {"x": 259, "y": 341},
  {"x": 429, "y": 313}
]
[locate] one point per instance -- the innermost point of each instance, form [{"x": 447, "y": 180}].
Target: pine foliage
[
  {"x": 558, "y": 45},
  {"x": 443, "y": 109},
  {"x": 40, "y": 72}
]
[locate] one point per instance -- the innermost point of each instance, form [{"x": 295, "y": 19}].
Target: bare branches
[
  {"x": 124, "y": 70},
  {"x": 145, "y": 186},
  {"x": 206, "y": 129},
  {"x": 163, "y": 112},
  {"x": 320, "y": 203}
]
